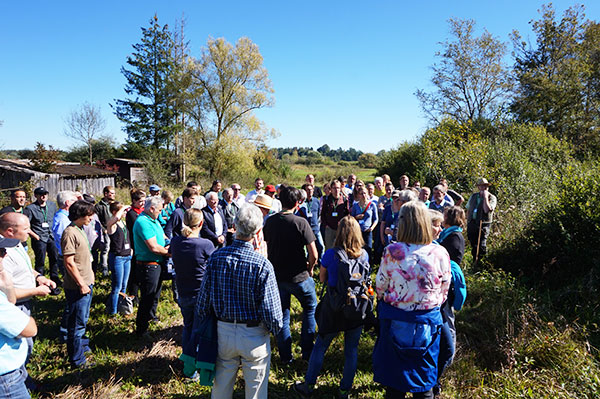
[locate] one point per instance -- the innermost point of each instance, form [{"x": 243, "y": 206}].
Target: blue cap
[
  {"x": 8, "y": 242},
  {"x": 154, "y": 187}
]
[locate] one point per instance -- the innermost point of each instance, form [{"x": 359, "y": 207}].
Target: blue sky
[{"x": 344, "y": 72}]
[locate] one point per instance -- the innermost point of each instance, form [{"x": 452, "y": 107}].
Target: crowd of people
[{"x": 237, "y": 259}]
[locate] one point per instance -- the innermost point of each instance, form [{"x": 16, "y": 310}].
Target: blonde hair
[
  {"x": 349, "y": 237},
  {"x": 167, "y": 195},
  {"x": 192, "y": 218},
  {"x": 414, "y": 224},
  {"x": 436, "y": 216}
]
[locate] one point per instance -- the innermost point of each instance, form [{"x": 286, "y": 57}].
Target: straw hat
[
  {"x": 263, "y": 201},
  {"x": 483, "y": 182}
]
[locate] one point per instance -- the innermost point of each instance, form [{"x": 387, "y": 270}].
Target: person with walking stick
[{"x": 480, "y": 211}]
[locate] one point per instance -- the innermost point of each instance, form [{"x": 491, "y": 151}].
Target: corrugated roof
[{"x": 65, "y": 169}]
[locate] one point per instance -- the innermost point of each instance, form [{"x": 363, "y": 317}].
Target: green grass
[{"x": 505, "y": 350}]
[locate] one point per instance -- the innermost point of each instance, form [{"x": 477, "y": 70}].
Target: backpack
[{"x": 353, "y": 295}]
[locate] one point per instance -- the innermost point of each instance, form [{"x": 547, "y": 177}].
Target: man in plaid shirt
[{"x": 240, "y": 287}]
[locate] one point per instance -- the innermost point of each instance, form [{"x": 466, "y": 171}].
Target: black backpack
[{"x": 352, "y": 295}]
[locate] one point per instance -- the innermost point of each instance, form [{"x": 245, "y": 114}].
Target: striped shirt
[{"x": 240, "y": 284}]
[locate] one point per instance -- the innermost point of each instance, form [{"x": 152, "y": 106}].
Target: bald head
[{"x": 14, "y": 225}]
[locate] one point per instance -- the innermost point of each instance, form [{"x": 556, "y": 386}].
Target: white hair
[
  {"x": 407, "y": 196},
  {"x": 440, "y": 187},
  {"x": 63, "y": 197},
  {"x": 229, "y": 192},
  {"x": 153, "y": 201},
  {"x": 211, "y": 194},
  {"x": 379, "y": 179},
  {"x": 304, "y": 195},
  {"x": 248, "y": 221}
]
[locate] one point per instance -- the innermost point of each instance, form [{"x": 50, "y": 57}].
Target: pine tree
[{"x": 150, "y": 111}]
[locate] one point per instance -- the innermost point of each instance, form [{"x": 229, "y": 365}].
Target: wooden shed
[
  {"x": 67, "y": 176},
  {"x": 131, "y": 170}
]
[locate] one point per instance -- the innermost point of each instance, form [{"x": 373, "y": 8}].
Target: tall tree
[
  {"x": 85, "y": 124},
  {"x": 559, "y": 77},
  {"x": 150, "y": 111},
  {"x": 471, "y": 81},
  {"x": 229, "y": 83}
]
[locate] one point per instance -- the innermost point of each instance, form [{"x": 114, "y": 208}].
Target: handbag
[{"x": 125, "y": 304}]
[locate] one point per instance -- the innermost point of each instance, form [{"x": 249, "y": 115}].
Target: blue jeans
[
  {"x": 307, "y": 296},
  {"x": 12, "y": 385},
  {"x": 315, "y": 363},
  {"x": 188, "y": 307},
  {"x": 78, "y": 306},
  {"x": 319, "y": 243},
  {"x": 119, "y": 271}
]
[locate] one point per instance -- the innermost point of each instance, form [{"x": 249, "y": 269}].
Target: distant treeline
[{"x": 350, "y": 155}]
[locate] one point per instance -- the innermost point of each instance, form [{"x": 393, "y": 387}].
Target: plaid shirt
[{"x": 240, "y": 284}]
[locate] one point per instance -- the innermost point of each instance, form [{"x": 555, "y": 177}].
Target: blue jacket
[
  {"x": 407, "y": 348},
  {"x": 201, "y": 352}
]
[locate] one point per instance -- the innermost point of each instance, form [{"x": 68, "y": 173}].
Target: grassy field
[
  {"x": 505, "y": 350},
  {"x": 129, "y": 367}
]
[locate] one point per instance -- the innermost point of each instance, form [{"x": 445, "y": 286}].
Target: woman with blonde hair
[
  {"x": 412, "y": 283},
  {"x": 348, "y": 247},
  {"x": 190, "y": 253}
]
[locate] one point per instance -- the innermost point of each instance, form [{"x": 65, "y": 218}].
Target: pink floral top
[{"x": 414, "y": 277}]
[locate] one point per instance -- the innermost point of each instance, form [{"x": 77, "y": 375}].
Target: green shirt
[{"x": 144, "y": 229}]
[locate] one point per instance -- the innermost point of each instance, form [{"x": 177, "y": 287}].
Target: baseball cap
[
  {"x": 154, "y": 187},
  {"x": 270, "y": 188},
  {"x": 40, "y": 191}
]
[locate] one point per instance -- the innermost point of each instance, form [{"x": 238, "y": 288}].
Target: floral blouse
[{"x": 414, "y": 277}]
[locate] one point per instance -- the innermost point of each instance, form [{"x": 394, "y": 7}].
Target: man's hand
[
  {"x": 42, "y": 280},
  {"x": 221, "y": 239},
  {"x": 84, "y": 290},
  {"x": 42, "y": 290},
  {"x": 34, "y": 236},
  {"x": 388, "y": 231}
]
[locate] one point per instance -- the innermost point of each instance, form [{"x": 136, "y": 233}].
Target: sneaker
[
  {"x": 303, "y": 389},
  {"x": 194, "y": 378}
]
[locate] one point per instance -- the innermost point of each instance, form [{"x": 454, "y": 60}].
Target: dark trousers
[
  {"x": 473, "y": 236},
  {"x": 132, "y": 285},
  {"x": 149, "y": 282},
  {"x": 41, "y": 249}
]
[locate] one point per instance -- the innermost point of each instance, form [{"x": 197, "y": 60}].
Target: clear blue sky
[{"x": 344, "y": 72}]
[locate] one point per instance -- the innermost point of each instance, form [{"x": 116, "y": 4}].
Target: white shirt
[
  {"x": 18, "y": 264},
  {"x": 218, "y": 223},
  {"x": 276, "y": 206},
  {"x": 251, "y": 196},
  {"x": 241, "y": 198},
  {"x": 200, "y": 202}
]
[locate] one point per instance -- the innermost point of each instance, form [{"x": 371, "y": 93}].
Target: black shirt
[
  {"x": 130, "y": 218},
  {"x": 41, "y": 219},
  {"x": 286, "y": 235},
  {"x": 189, "y": 258},
  {"x": 119, "y": 241},
  {"x": 455, "y": 245}
]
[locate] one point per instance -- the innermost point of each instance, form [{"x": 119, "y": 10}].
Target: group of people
[{"x": 240, "y": 258}]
